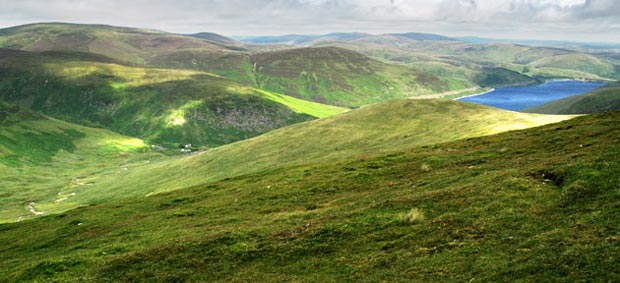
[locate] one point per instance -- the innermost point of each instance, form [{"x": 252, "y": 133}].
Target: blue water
[{"x": 519, "y": 98}]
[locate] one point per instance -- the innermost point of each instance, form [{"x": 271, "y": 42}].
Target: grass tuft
[{"x": 415, "y": 215}]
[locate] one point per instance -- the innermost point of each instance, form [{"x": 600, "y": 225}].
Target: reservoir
[{"x": 519, "y": 98}]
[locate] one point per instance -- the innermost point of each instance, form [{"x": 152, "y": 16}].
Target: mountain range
[{"x": 139, "y": 155}]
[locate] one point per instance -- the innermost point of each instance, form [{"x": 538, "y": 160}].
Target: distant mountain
[
  {"x": 550, "y": 43},
  {"x": 216, "y": 38},
  {"x": 125, "y": 44},
  {"x": 467, "y": 60},
  {"x": 301, "y": 40},
  {"x": 304, "y": 40},
  {"x": 293, "y": 39},
  {"x": 600, "y": 100},
  {"x": 424, "y": 36}
]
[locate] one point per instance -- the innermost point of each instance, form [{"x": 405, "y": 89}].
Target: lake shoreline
[
  {"x": 519, "y": 98},
  {"x": 475, "y": 94}
]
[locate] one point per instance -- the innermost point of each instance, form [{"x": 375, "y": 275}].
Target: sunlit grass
[
  {"x": 303, "y": 106},
  {"x": 127, "y": 76},
  {"x": 176, "y": 117}
]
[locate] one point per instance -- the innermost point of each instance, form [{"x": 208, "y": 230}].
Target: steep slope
[
  {"x": 529, "y": 205},
  {"x": 378, "y": 128},
  {"x": 342, "y": 77},
  {"x": 45, "y": 158},
  {"x": 600, "y": 100},
  {"x": 161, "y": 106}
]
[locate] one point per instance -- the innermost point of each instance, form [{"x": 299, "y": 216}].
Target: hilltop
[
  {"x": 533, "y": 205},
  {"x": 125, "y": 44}
]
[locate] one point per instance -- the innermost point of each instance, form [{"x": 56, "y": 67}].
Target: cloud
[{"x": 538, "y": 18}]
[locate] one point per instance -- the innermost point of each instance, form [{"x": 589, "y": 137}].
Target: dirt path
[
  {"x": 442, "y": 94},
  {"x": 33, "y": 210}
]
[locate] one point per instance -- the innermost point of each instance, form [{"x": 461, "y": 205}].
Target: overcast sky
[{"x": 576, "y": 20}]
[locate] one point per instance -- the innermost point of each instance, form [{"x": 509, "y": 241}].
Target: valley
[{"x": 131, "y": 155}]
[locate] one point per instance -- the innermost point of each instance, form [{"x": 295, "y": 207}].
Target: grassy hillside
[
  {"x": 379, "y": 128},
  {"x": 233, "y": 65},
  {"x": 585, "y": 63},
  {"x": 45, "y": 158},
  {"x": 326, "y": 75},
  {"x": 341, "y": 77},
  {"x": 524, "y": 61},
  {"x": 159, "y": 105},
  {"x": 535, "y": 205},
  {"x": 600, "y": 100},
  {"x": 125, "y": 44},
  {"x": 500, "y": 77}
]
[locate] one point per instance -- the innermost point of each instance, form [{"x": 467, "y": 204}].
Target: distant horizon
[
  {"x": 583, "y": 21},
  {"x": 237, "y": 36}
]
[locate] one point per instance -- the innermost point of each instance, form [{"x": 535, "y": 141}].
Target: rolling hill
[
  {"x": 125, "y": 44},
  {"x": 164, "y": 106},
  {"x": 339, "y": 76},
  {"x": 531, "y": 205},
  {"x": 601, "y": 100},
  {"x": 395, "y": 125},
  {"x": 326, "y": 75},
  {"x": 421, "y": 50}
]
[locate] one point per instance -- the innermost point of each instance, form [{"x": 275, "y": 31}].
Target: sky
[{"x": 572, "y": 20}]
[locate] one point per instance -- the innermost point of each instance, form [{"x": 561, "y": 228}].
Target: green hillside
[
  {"x": 598, "y": 101},
  {"x": 45, "y": 158},
  {"x": 477, "y": 59},
  {"x": 121, "y": 43},
  {"x": 500, "y": 77},
  {"x": 389, "y": 126},
  {"x": 585, "y": 63},
  {"x": 327, "y": 75},
  {"x": 233, "y": 65},
  {"x": 339, "y": 76},
  {"x": 538, "y": 205},
  {"x": 162, "y": 106}
]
